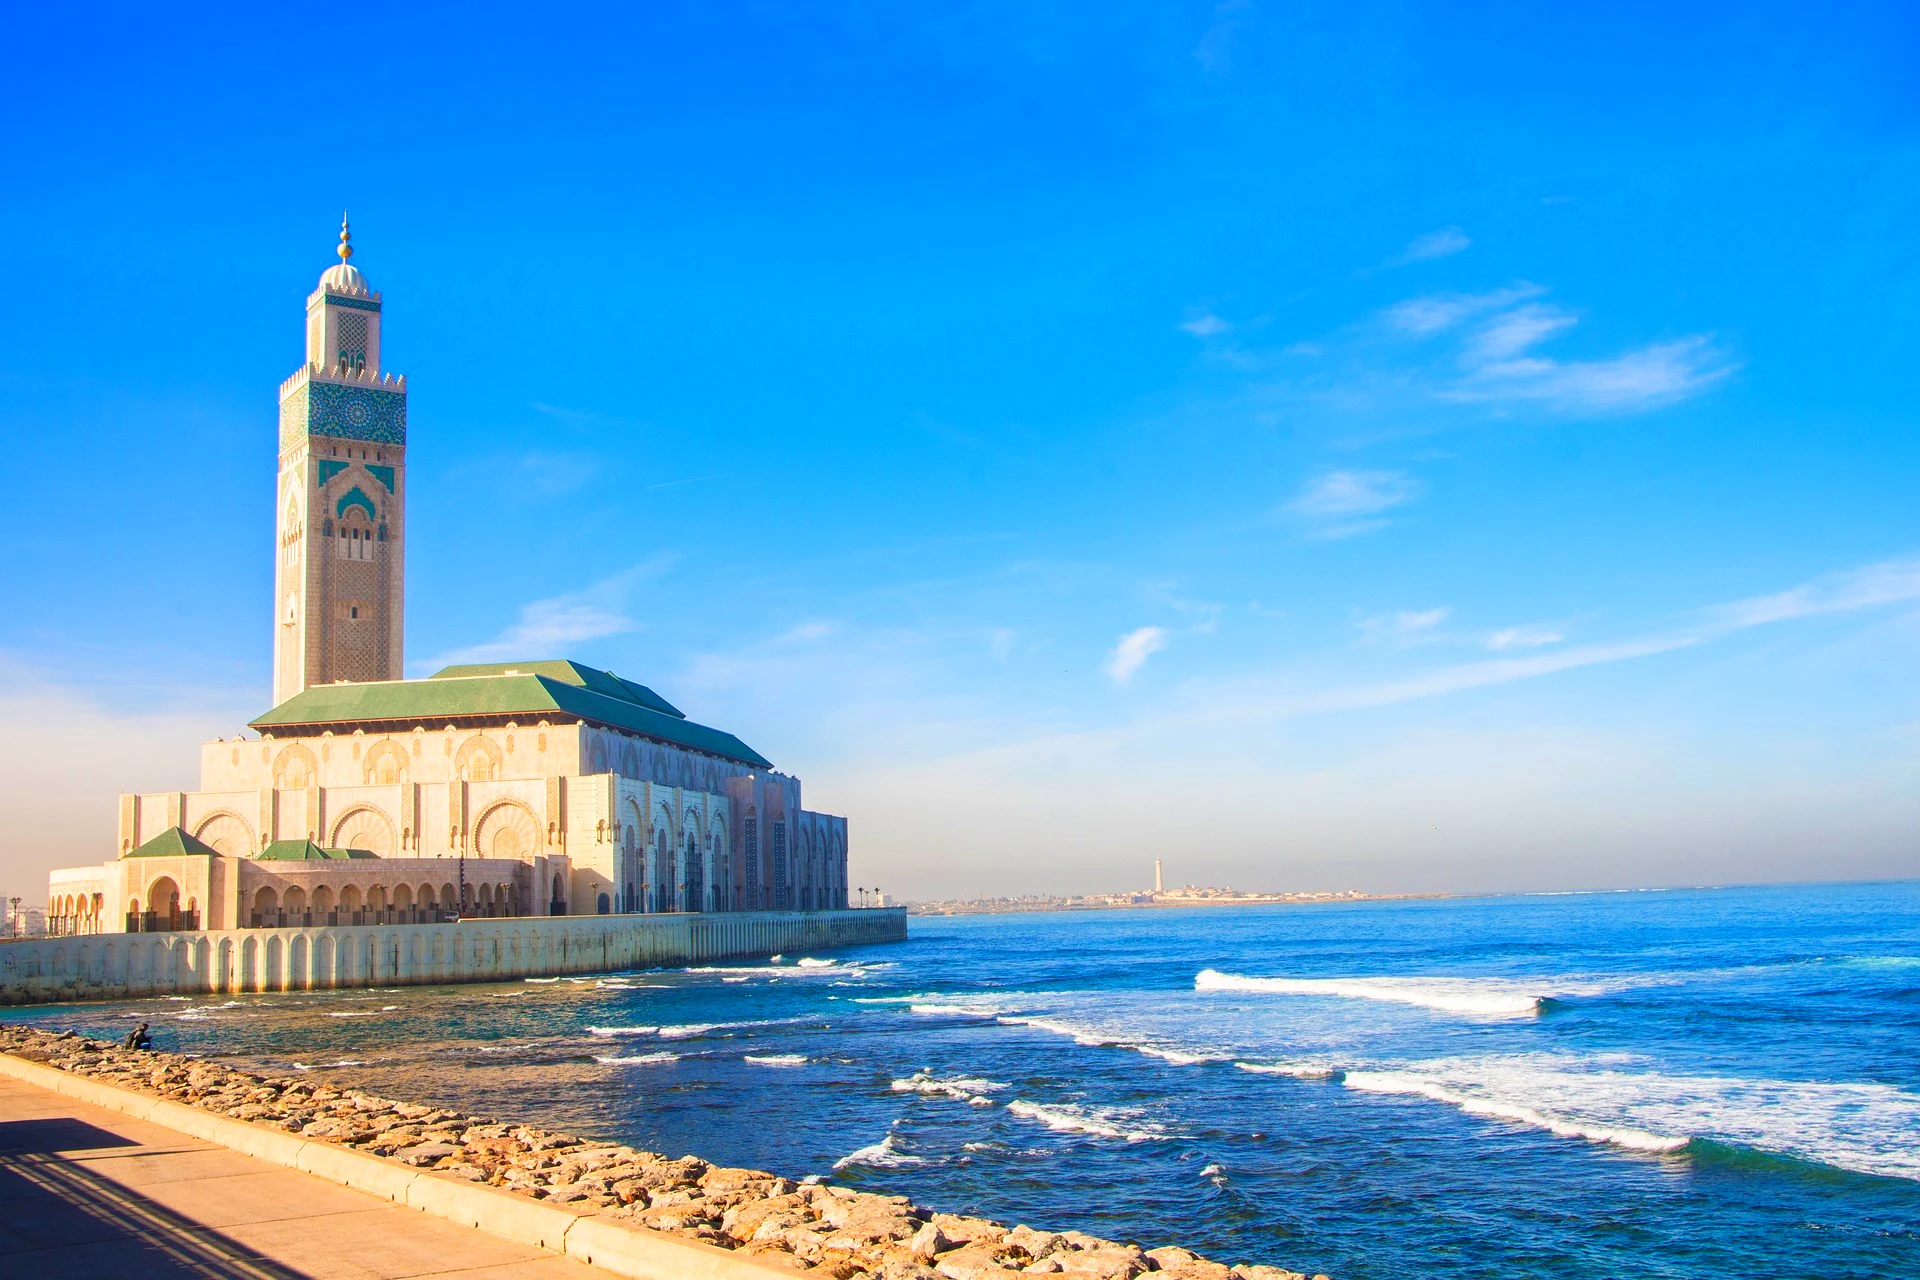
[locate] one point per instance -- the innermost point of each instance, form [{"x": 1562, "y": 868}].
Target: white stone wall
[{"x": 110, "y": 966}]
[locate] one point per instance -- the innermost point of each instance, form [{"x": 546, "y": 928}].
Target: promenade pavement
[{"x": 86, "y": 1192}]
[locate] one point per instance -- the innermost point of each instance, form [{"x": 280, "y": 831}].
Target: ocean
[{"x": 1688, "y": 1083}]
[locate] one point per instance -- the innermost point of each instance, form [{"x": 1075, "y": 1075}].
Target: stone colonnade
[{"x": 114, "y": 966}]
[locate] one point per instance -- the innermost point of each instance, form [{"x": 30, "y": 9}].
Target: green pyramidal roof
[
  {"x": 527, "y": 691},
  {"x": 603, "y": 682},
  {"x": 308, "y": 851},
  {"x": 174, "y": 843}
]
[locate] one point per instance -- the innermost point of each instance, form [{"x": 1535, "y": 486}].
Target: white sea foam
[
  {"x": 540, "y": 980},
  {"x": 623, "y": 1031},
  {"x": 639, "y": 1059},
  {"x": 686, "y": 1030},
  {"x": 322, "y": 1066},
  {"x": 879, "y": 1155},
  {"x": 1079, "y": 1035},
  {"x": 959, "y": 1088},
  {"x": 953, "y": 1010},
  {"x": 362, "y": 1013},
  {"x": 1866, "y": 1128},
  {"x": 1101, "y": 1122},
  {"x": 1178, "y": 1057},
  {"x": 201, "y": 1012},
  {"x": 1298, "y": 1070},
  {"x": 1489, "y": 997},
  {"x": 809, "y": 962},
  {"x": 1401, "y": 1082},
  {"x": 777, "y": 1059}
]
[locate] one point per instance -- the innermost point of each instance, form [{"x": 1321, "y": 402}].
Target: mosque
[{"x": 531, "y": 788}]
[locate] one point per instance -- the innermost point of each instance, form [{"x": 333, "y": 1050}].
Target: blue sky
[{"x": 1430, "y": 447}]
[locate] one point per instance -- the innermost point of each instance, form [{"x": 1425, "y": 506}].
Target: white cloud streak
[
  {"x": 1132, "y": 652},
  {"x": 1443, "y": 243},
  {"x": 1341, "y": 504},
  {"x": 1527, "y": 637},
  {"x": 546, "y": 627},
  {"x": 1404, "y": 627}
]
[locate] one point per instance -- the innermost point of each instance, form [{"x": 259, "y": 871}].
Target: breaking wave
[
  {"x": 639, "y": 1059},
  {"x": 1101, "y": 1122},
  {"x": 1491, "y": 997},
  {"x": 960, "y": 1088},
  {"x": 879, "y": 1155},
  {"x": 1298, "y": 1070},
  {"x": 777, "y": 1059},
  {"x": 1864, "y": 1128}
]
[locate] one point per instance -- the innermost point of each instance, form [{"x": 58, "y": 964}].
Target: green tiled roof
[
  {"x": 308, "y": 851},
  {"x": 568, "y": 673},
  {"x": 528, "y": 691},
  {"x": 174, "y": 843}
]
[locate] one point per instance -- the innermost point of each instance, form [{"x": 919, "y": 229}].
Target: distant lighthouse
[{"x": 1158, "y": 887}]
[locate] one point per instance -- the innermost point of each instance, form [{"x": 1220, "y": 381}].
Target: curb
[{"x": 625, "y": 1250}]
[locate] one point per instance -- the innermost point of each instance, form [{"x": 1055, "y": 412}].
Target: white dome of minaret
[{"x": 346, "y": 277}]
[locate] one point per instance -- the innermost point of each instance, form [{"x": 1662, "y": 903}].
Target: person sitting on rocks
[{"x": 139, "y": 1038}]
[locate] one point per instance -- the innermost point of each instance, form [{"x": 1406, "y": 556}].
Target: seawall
[{"x": 111, "y": 966}]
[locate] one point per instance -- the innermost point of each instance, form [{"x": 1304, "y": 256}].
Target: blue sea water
[{"x": 1696, "y": 1083}]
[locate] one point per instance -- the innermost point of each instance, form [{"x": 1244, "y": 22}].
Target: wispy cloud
[
  {"x": 1499, "y": 333},
  {"x": 546, "y": 627},
  {"x": 1889, "y": 582},
  {"x": 1132, "y": 652},
  {"x": 1512, "y": 332},
  {"x": 1439, "y": 312},
  {"x": 809, "y": 632},
  {"x": 1645, "y": 379},
  {"x": 1528, "y": 637},
  {"x": 1443, "y": 243},
  {"x": 1341, "y": 504},
  {"x": 1872, "y": 586},
  {"x": 1407, "y": 626},
  {"x": 1205, "y": 326}
]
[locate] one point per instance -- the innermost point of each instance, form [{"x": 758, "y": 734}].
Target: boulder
[
  {"x": 424, "y": 1153},
  {"x": 929, "y": 1240},
  {"x": 970, "y": 1262},
  {"x": 1113, "y": 1262}
]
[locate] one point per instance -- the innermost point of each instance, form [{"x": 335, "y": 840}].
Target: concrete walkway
[{"x": 86, "y": 1192}]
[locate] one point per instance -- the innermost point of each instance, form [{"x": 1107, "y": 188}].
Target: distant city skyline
[{"x": 1396, "y": 449}]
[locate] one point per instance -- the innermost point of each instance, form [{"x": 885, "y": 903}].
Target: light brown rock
[{"x": 970, "y": 1262}]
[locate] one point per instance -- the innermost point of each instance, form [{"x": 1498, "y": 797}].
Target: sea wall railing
[{"x": 115, "y": 966}]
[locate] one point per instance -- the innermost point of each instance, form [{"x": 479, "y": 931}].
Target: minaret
[{"x": 342, "y": 496}]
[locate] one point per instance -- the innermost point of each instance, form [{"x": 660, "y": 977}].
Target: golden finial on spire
[{"x": 346, "y": 239}]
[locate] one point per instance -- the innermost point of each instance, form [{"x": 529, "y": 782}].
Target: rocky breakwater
[{"x": 802, "y": 1227}]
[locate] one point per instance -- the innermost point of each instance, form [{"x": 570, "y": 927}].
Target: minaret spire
[{"x": 346, "y": 239}]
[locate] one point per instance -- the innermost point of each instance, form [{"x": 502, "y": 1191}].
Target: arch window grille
[
  {"x": 351, "y": 341},
  {"x": 694, "y": 890},
  {"x": 750, "y": 851},
  {"x": 663, "y": 874},
  {"x": 782, "y": 880}
]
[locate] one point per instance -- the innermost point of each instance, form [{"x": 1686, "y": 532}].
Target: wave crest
[{"x": 1493, "y": 997}]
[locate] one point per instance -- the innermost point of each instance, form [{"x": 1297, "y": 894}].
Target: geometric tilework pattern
[{"x": 370, "y": 414}]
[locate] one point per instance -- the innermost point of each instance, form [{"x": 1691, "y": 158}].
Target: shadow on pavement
[{"x": 59, "y": 1218}]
